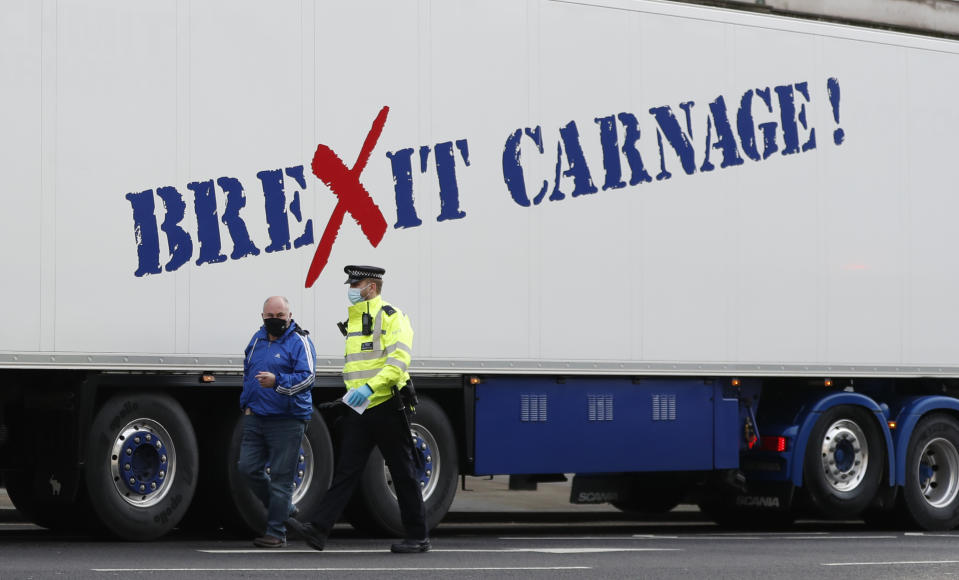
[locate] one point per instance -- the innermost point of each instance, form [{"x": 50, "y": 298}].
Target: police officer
[{"x": 379, "y": 344}]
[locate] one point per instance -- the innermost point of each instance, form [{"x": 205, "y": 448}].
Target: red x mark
[{"x": 351, "y": 196}]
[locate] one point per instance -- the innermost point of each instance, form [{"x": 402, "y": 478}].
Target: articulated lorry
[{"x": 683, "y": 253}]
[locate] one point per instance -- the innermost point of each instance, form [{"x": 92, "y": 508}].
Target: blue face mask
[{"x": 356, "y": 294}]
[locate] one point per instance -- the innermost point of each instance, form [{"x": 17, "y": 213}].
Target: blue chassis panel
[{"x": 527, "y": 425}]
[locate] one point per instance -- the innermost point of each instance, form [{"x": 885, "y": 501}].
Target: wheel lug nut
[
  {"x": 162, "y": 474},
  {"x": 153, "y": 485},
  {"x": 136, "y": 439},
  {"x": 148, "y": 437},
  {"x": 132, "y": 481},
  {"x": 159, "y": 445}
]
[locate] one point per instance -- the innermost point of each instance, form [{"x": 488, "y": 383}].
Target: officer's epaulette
[{"x": 389, "y": 310}]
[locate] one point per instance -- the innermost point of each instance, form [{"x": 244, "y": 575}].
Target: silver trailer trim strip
[{"x": 326, "y": 365}]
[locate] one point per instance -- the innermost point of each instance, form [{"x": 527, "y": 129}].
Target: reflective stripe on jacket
[{"x": 382, "y": 358}]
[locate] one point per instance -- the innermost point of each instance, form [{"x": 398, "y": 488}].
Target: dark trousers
[{"x": 385, "y": 427}]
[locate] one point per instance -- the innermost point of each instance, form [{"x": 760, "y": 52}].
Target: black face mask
[{"x": 275, "y": 326}]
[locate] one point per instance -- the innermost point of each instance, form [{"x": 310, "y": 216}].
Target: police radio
[{"x": 367, "y": 323}]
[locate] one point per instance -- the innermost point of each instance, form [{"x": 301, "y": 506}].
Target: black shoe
[
  {"x": 411, "y": 546},
  {"x": 294, "y": 525},
  {"x": 313, "y": 536},
  {"x": 269, "y": 542}
]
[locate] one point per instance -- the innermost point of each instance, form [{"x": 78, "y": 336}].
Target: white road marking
[
  {"x": 465, "y": 550},
  {"x": 346, "y": 569},
  {"x": 583, "y": 538},
  {"x": 741, "y": 538},
  {"x": 711, "y": 537},
  {"x": 901, "y": 563}
]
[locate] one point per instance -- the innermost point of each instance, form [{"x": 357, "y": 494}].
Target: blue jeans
[{"x": 273, "y": 440}]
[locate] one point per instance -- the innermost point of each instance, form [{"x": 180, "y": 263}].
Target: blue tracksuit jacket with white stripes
[{"x": 292, "y": 358}]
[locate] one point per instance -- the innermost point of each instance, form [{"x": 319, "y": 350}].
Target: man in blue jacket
[{"x": 278, "y": 373}]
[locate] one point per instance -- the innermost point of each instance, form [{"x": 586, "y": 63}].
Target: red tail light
[{"x": 772, "y": 443}]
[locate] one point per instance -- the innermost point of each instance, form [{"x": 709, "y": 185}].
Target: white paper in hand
[{"x": 358, "y": 408}]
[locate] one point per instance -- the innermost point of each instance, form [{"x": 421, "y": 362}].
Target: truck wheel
[
  {"x": 141, "y": 465},
  {"x": 314, "y": 473},
  {"x": 930, "y": 498},
  {"x": 843, "y": 465},
  {"x": 374, "y": 510}
]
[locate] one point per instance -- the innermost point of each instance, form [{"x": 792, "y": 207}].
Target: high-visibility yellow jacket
[{"x": 381, "y": 358}]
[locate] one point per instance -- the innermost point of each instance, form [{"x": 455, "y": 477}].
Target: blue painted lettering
[
  {"x": 747, "y": 128},
  {"x": 178, "y": 241},
  {"x": 401, "y": 162},
  {"x": 789, "y": 118},
  {"x": 145, "y": 233},
  {"x": 446, "y": 173},
  {"x": 235, "y": 201},
  {"x": 513, "y": 169},
  {"x": 207, "y": 225},
  {"x": 725, "y": 139},
  {"x": 575, "y": 160},
  {"x": 681, "y": 141},
  {"x": 633, "y": 158}
]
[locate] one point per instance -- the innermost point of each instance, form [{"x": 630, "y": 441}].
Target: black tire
[
  {"x": 930, "y": 497},
  {"x": 373, "y": 509},
  {"x": 155, "y": 434},
  {"x": 244, "y": 513},
  {"x": 844, "y": 462}
]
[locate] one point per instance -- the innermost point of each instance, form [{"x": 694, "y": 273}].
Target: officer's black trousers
[{"x": 385, "y": 427}]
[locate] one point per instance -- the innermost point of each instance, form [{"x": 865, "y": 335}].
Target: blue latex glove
[{"x": 357, "y": 397}]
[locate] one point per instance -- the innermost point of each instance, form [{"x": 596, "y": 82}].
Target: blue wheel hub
[
  {"x": 303, "y": 473},
  {"x": 144, "y": 464},
  {"x": 425, "y": 452},
  {"x": 844, "y": 456},
  {"x": 428, "y": 449}
]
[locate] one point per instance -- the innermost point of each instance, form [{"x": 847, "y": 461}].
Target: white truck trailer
[{"x": 684, "y": 253}]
